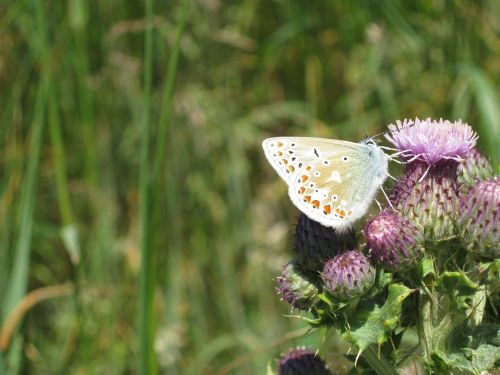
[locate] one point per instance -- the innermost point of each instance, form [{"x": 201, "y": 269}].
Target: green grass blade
[
  {"x": 18, "y": 282},
  {"x": 69, "y": 232},
  {"x": 488, "y": 104},
  {"x": 147, "y": 360},
  {"x": 166, "y": 107}
]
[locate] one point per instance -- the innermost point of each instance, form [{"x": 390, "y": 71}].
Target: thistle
[
  {"x": 442, "y": 234},
  {"x": 480, "y": 218},
  {"x": 315, "y": 243},
  {"x": 296, "y": 286},
  {"x": 348, "y": 275},
  {"x": 301, "y": 361},
  {"x": 393, "y": 241},
  {"x": 427, "y": 193}
]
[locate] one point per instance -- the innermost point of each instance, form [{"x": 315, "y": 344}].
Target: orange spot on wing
[
  {"x": 284, "y": 161},
  {"x": 327, "y": 209},
  {"x": 280, "y": 144},
  {"x": 304, "y": 178},
  {"x": 291, "y": 168},
  {"x": 315, "y": 203},
  {"x": 307, "y": 198},
  {"x": 280, "y": 153},
  {"x": 340, "y": 212},
  {"x": 308, "y": 168},
  {"x": 302, "y": 189}
]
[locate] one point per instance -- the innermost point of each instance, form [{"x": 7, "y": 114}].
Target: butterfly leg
[
  {"x": 388, "y": 200},
  {"x": 404, "y": 153},
  {"x": 388, "y": 148},
  {"x": 407, "y": 161},
  {"x": 394, "y": 149},
  {"x": 394, "y": 178},
  {"x": 455, "y": 158}
]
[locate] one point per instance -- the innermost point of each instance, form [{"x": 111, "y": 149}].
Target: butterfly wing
[
  {"x": 332, "y": 182},
  {"x": 287, "y": 155}
]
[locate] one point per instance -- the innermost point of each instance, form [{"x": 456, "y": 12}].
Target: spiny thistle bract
[
  {"x": 442, "y": 229},
  {"x": 302, "y": 361}
]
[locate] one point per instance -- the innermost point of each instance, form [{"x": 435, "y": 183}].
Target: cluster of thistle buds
[{"x": 444, "y": 208}]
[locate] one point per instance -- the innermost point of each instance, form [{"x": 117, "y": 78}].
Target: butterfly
[{"x": 332, "y": 182}]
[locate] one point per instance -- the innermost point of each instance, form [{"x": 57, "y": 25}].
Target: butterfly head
[
  {"x": 369, "y": 141},
  {"x": 379, "y": 159}
]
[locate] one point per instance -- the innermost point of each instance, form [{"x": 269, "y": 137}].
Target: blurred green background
[{"x": 132, "y": 129}]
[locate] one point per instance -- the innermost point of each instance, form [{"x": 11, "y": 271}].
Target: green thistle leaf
[
  {"x": 459, "y": 288},
  {"x": 375, "y": 326},
  {"x": 481, "y": 354}
]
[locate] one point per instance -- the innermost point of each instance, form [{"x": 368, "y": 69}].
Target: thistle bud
[
  {"x": 475, "y": 167},
  {"x": 301, "y": 361},
  {"x": 296, "y": 286},
  {"x": 393, "y": 241},
  {"x": 480, "y": 218},
  {"x": 348, "y": 275},
  {"x": 315, "y": 243}
]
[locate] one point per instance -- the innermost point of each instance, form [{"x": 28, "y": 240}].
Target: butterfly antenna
[
  {"x": 395, "y": 130},
  {"x": 379, "y": 205},
  {"x": 376, "y": 135}
]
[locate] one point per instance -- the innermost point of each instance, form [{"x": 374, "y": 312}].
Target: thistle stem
[
  {"x": 425, "y": 324},
  {"x": 378, "y": 362},
  {"x": 435, "y": 328}
]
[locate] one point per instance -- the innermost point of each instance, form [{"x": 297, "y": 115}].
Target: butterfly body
[{"x": 333, "y": 182}]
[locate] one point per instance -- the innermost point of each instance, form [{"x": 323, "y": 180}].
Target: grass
[
  {"x": 147, "y": 321},
  {"x": 130, "y": 132}
]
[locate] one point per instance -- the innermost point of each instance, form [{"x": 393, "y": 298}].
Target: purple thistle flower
[
  {"x": 296, "y": 286},
  {"x": 348, "y": 275},
  {"x": 393, "y": 241},
  {"x": 315, "y": 243},
  {"x": 432, "y": 141},
  {"x": 302, "y": 361},
  {"x": 480, "y": 218}
]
